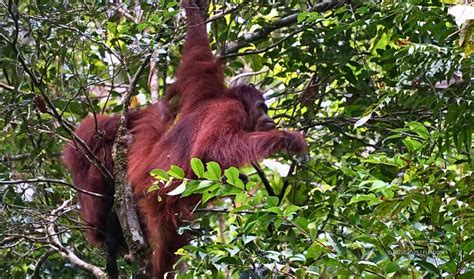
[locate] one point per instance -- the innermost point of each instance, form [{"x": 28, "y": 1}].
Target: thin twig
[
  {"x": 250, "y": 52},
  {"x": 18, "y": 157},
  {"x": 286, "y": 183},
  {"x": 41, "y": 260},
  {"x": 264, "y": 179},
  {"x": 63, "y": 251},
  {"x": 11, "y": 88},
  {"x": 56, "y": 181}
]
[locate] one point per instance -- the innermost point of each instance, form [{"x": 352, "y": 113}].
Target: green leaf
[
  {"x": 160, "y": 174},
  {"x": 213, "y": 171},
  {"x": 227, "y": 260},
  {"x": 419, "y": 129},
  {"x": 191, "y": 188},
  {"x": 153, "y": 187},
  {"x": 394, "y": 136},
  {"x": 291, "y": 209},
  {"x": 229, "y": 190},
  {"x": 309, "y": 17},
  {"x": 178, "y": 190},
  {"x": 197, "y": 166},
  {"x": 297, "y": 258},
  {"x": 278, "y": 222},
  {"x": 302, "y": 16},
  {"x": 387, "y": 193},
  {"x": 206, "y": 185},
  {"x": 436, "y": 205},
  {"x": 314, "y": 250},
  {"x": 271, "y": 201},
  {"x": 242, "y": 208},
  {"x": 176, "y": 172},
  {"x": 209, "y": 194},
  {"x": 428, "y": 266},
  {"x": 362, "y": 121},
  {"x": 248, "y": 238},
  {"x": 378, "y": 185},
  {"x": 241, "y": 198},
  {"x": 252, "y": 220},
  {"x": 76, "y": 108},
  {"x": 368, "y": 263},
  {"x": 142, "y": 26},
  {"x": 371, "y": 198},
  {"x": 392, "y": 267},
  {"x": 274, "y": 209},
  {"x": 232, "y": 175},
  {"x": 336, "y": 245},
  {"x": 411, "y": 144}
]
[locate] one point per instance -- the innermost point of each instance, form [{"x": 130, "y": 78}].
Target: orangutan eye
[{"x": 262, "y": 106}]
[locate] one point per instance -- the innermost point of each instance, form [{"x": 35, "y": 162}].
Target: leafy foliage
[{"x": 382, "y": 90}]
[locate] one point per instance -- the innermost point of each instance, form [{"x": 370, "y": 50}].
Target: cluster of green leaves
[
  {"x": 374, "y": 226},
  {"x": 210, "y": 187},
  {"x": 211, "y": 183}
]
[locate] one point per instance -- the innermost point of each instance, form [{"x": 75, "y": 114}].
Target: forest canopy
[{"x": 381, "y": 89}]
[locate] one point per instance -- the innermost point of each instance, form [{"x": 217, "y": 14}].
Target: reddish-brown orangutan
[
  {"x": 99, "y": 134},
  {"x": 214, "y": 123}
]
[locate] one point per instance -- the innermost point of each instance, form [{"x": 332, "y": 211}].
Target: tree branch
[
  {"x": 63, "y": 251},
  {"x": 57, "y": 181},
  {"x": 41, "y": 260},
  {"x": 264, "y": 179},
  {"x": 17, "y": 157},
  {"x": 11, "y": 88},
  {"x": 286, "y": 183},
  {"x": 234, "y": 47},
  {"x": 124, "y": 205},
  {"x": 235, "y": 54},
  {"x": 236, "y": 79}
]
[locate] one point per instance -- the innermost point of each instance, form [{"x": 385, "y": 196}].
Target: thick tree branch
[{"x": 124, "y": 205}]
